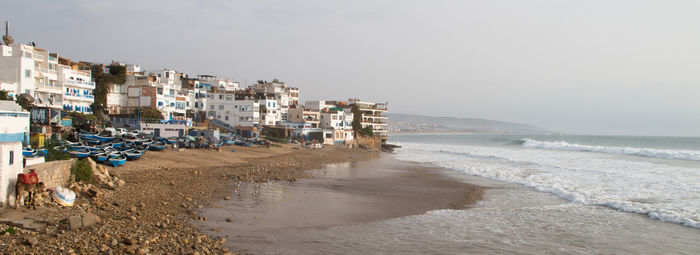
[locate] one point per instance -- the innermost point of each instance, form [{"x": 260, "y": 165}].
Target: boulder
[
  {"x": 74, "y": 222},
  {"x": 90, "y": 219}
]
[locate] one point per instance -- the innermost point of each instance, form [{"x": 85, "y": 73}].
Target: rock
[
  {"x": 75, "y": 222},
  {"x": 110, "y": 184},
  {"x": 104, "y": 248},
  {"x": 172, "y": 183},
  {"x": 120, "y": 183},
  {"x": 227, "y": 198},
  {"x": 142, "y": 251},
  {"x": 128, "y": 241},
  {"x": 90, "y": 219},
  {"x": 115, "y": 242},
  {"x": 94, "y": 192},
  {"x": 229, "y": 220},
  {"x": 31, "y": 241}
]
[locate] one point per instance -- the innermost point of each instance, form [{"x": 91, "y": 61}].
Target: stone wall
[
  {"x": 54, "y": 173},
  {"x": 373, "y": 143}
]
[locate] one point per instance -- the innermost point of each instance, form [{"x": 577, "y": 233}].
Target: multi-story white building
[
  {"x": 117, "y": 102},
  {"x": 26, "y": 69},
  {"x": 270, "y": 112},
  {"x": 305, "y": 115},
  {"x": 224, "y": 106},
  {"x": 161, "y": 89},
  {"x": 17, "y": 66},
  {"x": 336, "y": 118},
  {"x": 13, "y": 132},
  {"x": 278, "y": 91},
  {"x": 372, "y": 116},
  {"x": 77, "y": 88}
]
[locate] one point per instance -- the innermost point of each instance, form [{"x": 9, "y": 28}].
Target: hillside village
[{"x": 115, "y": 111}]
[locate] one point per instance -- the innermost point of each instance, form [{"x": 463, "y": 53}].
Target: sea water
[
  {"x": 544, "y": 195},
  {"x": 655, "y": 176}
]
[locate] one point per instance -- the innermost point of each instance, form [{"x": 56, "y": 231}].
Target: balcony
[
  {"x": 80, "y": 84},
  {"x": 78, "y": 97},
  {"x": 373, "y": 121},
  {"x": 44, "y": 87}
]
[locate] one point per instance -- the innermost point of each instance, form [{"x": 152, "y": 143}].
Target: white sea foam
[
  {"x": 642, "y": 152},
  {"x": 664, "y": 192}
]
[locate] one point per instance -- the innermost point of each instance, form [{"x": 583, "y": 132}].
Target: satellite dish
[{"x": 27, "y": 97}]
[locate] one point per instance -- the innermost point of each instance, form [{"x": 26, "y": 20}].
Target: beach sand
[
  {"x": 262, "y": 215},
  {"x": 150, "y": 213}
]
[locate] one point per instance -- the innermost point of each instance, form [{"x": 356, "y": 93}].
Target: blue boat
[
  {"x": 100, "y": 157},
  {"x": 104, "y": 138},
  {"x": 93, "y": 141},
  {"x": 116, "y": 160},
  {"x": 42, "y": 151},
  {"x": 242, "y": 143},
  {"x": 85, "y": 132},
  {"x": 171, "y": 140},
  {"x": 157, "y": 146},
  {"x": 131, "y": 154},
  {"x": 80, "y": 153},
  {"x": 28, "y": 152},
  {"x": 117, "y": 144}
]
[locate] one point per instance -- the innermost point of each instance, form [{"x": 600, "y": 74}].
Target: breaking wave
[{"x": 641, "y": 152}]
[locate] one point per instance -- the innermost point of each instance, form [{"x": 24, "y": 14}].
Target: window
[
  {"x": 160, "y": 103},
  {"x": 221, "y": 96},
  {"x": 196, "y": 105},
  {"x": 27, "y": 73},
  {"x": 12, "y": 157},
  {"x": 211, "y": 107},
  {"x": 159, "y": 91},
  {"x": 221, "y": 107},
  {"x": 226, "y": 117}
]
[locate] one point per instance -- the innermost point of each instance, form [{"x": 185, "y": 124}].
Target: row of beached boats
[
  {"x": 116, "y": 150},
  {"x": 112, "y": 150}
]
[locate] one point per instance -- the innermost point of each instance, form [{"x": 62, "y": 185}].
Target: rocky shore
[{"x": 149, "y": 213}]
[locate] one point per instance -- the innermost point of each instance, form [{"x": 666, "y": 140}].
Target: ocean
[
  {"x": 542, "y": 195},
  {"x": 655, "y": 176}
]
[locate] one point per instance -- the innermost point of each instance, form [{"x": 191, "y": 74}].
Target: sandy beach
[
  {"x": 264, "y": 217},
  {"x": 150, "y": 213}
]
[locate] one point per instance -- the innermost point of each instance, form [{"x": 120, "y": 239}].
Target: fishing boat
[
  {"x": 242, "y": 142},
  {"x": 171, "y": 140},
  {"x": 116, "y": 143},
  {"x": 104, "y": 138},
  {"x": 116, "y": 160},
  {"x": 100, "y": 157},
  {"x": 131, "y": 154},
  {"x": 28, "y": 152},
  {"x": 157, "y": 146},
  {"x": 89, "y": 141},
  {"x": 80, "y": 153},
  {"x": 85, "y": 132},
  {"x": 73, "y": 145}
]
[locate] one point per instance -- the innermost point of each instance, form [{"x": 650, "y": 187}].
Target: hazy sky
[{"x": 601, "y": 67}]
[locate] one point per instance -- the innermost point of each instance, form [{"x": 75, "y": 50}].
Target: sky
[{"x": 610, "y": 67}]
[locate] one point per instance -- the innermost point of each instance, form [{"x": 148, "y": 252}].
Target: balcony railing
[{"x": 85, "y": 84}]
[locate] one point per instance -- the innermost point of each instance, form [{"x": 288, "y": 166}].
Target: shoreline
[
  {"x": 150, "y": 213},
  {"x": 340, "y": 194}
]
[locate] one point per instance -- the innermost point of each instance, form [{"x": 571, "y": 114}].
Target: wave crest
[{"x": 642, "y": 152}]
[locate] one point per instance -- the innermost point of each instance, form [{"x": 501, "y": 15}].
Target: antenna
[{"x": 7, "y": 39}]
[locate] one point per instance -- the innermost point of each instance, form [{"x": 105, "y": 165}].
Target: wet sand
[{"x": 339, "y": 194}]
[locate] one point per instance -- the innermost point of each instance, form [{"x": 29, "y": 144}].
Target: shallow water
[{"x": 512, "y": 219}]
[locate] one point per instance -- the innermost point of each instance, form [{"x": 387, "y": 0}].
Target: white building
[
  {"x": 17, "y": 65},
  {"x": 13, "y": 132},
  {"x": 372, "y": 116},
  {"x": 77, "y": 88},
  {"x": 161, "y": 89},
  {"x": 270, "y": 112},
  {"x": 234, "y": 111},
  {"x": 26, "y": 69}
]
